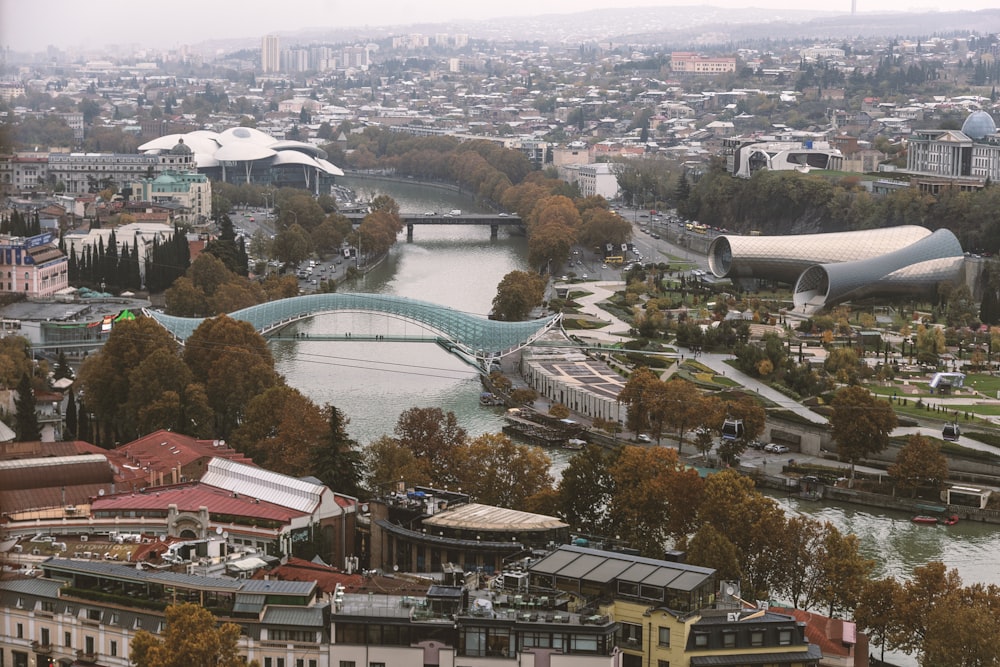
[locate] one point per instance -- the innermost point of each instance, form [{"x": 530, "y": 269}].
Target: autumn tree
[
  {"x": 165, "y": 396},
  {"x": 843, "y": 572},
  {"x": 652, "y": 501},
  {"x": 860, "y": 424},
  {"x": 388, "y": 461},
  {"x": 105, "y": 377},
  {"x": 192, "y": 638},
  {"x": 636, "y": 396},
  {"x": 495, "y": 470},
  {"x": 686, "y": 408},
  {"x": 919, "y": 463},
  {"x": 752, "y": 522},
  {"x": 433, "y": 436},
  {"x": 517, "y": 294},
  {"x": 234, "y": 364},
  {"x": 280, "y": 430},
  {"x": 15, "y": 360},
  {"x": 875, "y": 612}
]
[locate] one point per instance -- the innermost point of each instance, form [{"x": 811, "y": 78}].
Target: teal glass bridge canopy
[{"x": 473, "y": 335}]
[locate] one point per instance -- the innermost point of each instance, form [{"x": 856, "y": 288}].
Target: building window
[
  {"x": 67, "y": 639},
  {"x": 631, "y": 635},
  {"x": 756, "y": 638},
  {"x": 662, "y": 663},
  {"x": 45, "y": 637},
  {"x": 312, "y": 663},
  {"x": 376, "y": 664},
  {"x": 728, "y": 640},
  {"x": 664, "y": 636},
  {"x": 347, "y": 663},
  {"x": 114, "y": 648},
  {"x": 701, "y": 640},
  {"x": 784, "y": 637},
  {"x": 268, "y": 662},
  {"x": 88, "y": 643},
  {"x": 20, "y": 631}
]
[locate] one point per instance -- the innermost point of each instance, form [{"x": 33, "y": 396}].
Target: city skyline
[{"x": 34, "y": 26}]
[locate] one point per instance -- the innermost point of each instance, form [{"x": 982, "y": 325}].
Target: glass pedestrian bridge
[{"x": 471, "y": 335}]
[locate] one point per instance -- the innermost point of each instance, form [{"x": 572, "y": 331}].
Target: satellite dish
[
  {"x": 163, "y": 538},
  {"x": 100, "y": 492},
  {"x": 218, "y": 530},
  {"x": 395, "y": 568},
  {"x": 730, "y": 590},
  {"x": 225, "y": 535},
  {"x": 364, "y": 507}
]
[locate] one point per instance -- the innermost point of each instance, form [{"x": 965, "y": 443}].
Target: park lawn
[
  {"x": 991, "y": 410},
  {"x": 987, "y": 384}
]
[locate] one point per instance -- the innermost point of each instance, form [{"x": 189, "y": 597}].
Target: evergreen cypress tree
[
  {"x": 336, "y": 461},
  {"x": 62, "y": 369},
  {"x": 25, "y": 418},
  {"x": 83, "y": 424},
  {"x": 69, "y": 432}
]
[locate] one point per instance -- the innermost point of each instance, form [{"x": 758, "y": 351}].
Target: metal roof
[
  {"x": 608, "y": 571},
  {"x": 297, "y": 616},
  {"x": 263, "y": 484},
  {"x": 580, "y": 563},
  {"x": 747, "y": 658},
  {"x": 474, "y": 516},
  {"x": 554, "y": 562},
  {"x": 33, "y": 586},
  {"x": 275, "y": 587}
]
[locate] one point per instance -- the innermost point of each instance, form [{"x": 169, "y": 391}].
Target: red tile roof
[
  {"x": 163, "y": 451},
  {"x": 190, "y": 497}
]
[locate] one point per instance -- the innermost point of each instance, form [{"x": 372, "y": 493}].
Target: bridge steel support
[
  {"x": 409, "y": 232},
  {"x": 494, "y": 232}
]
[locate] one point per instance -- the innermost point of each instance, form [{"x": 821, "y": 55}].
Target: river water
[
  {"x": 460, "y": 267},
  {"x": 373, "y": 382}
]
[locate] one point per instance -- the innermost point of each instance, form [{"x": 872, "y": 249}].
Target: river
[{"x": 373, "y": 382}]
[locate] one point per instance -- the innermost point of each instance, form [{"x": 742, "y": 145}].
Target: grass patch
[
  {"x": 585, "y": 324},
  {"x": 987, "y": 384}
]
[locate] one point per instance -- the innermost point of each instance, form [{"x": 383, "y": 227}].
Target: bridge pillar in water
[
  {"x": 494, "y": 230},
  {"x": 409, "y": 232}
]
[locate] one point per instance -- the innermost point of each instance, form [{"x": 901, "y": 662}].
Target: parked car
[
  {"x": 642, "y": 437},
  {"x": 769, "y": 447},
  {"x": 780, "y": 449}
]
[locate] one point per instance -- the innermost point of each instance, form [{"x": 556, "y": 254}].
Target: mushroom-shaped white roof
[
  {"x": 241, "y": 151},
  {"x": 164, "y": 143},
  {"x": 204, "y": 160},
  {"x": 201, "y": 141},
  {"x": 329, "y": 167},
  {"x": 300, "y": 146},
  {"x": 245, "y": 134},
  {"x": 292, "y": 157}
]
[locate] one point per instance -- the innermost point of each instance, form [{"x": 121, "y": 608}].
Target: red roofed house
[
  {"x": 841, "y": 643},
  {"x": 165, "y": 457}
]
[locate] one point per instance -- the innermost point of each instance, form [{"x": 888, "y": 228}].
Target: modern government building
[{"x": 246, "y": 155}]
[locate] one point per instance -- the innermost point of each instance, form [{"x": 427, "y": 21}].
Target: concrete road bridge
[
  {"x": 494, "y": 220},
  {"x": 474, "y": 338}
]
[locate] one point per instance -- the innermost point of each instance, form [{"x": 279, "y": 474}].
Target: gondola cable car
[
  {"x": 951, "y": 431},
  {"x": 732, "y": 429}
]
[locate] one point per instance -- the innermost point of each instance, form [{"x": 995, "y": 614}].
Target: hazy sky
[{"x": 31, "y": 25}]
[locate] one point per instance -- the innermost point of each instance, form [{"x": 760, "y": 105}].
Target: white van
[{"x": 455, "y": 211}]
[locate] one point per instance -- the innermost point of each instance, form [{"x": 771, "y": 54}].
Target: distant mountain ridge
[{"x": 673, "y": 27}]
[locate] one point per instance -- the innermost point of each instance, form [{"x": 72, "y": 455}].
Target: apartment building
[
  {"x": 34, "y": 267},
  {"x": 686, "y": 62}
]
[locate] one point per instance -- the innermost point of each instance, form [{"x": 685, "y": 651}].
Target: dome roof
[
  {"x": 979, "y": 125},
  {"x": 180, "y": 148}
]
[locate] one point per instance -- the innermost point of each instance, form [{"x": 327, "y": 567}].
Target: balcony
[
  {"x": 83, "y": 654},
  {"x": 40, "y": 648}
]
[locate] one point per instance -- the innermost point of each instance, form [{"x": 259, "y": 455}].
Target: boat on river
[{"x": 925, "y": 518}]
